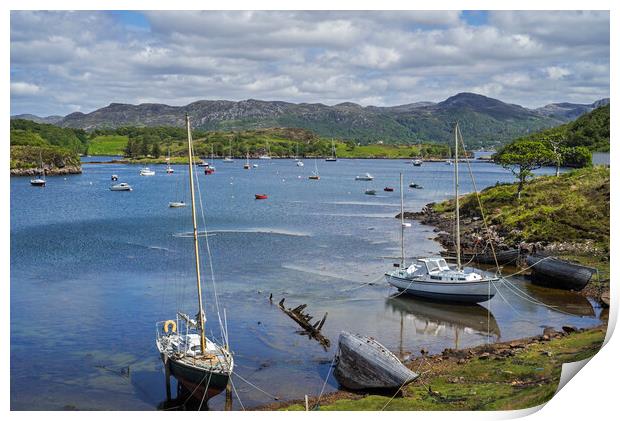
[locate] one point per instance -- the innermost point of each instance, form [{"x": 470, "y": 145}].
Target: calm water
[{"x": 93, "y": 270}]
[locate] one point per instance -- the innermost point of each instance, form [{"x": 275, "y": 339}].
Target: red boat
[
  {"x": 209, "y": 171},
  {"x": 388, "y": 189},
  {"x": 260, "y": 196}
]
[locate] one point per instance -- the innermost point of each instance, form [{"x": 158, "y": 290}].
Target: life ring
[{"x": 170, "y": 325}]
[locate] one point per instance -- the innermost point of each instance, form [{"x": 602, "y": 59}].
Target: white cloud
[
  {"x": 24, "y": 88},
  {"x": 389, "y": 57}
]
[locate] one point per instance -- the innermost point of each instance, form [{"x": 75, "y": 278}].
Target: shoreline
[
  {"x": 505, "y": 375},
  {"x": 31, "y": 172}
]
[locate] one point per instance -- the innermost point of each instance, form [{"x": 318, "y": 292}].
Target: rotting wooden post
[{"x": 228, "y": 404}]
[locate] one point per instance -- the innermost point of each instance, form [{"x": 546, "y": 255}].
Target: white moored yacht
[{"x": 431, "y": 277}]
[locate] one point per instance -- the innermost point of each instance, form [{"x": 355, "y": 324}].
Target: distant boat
[
  {"x": 121, "y": 187},
  {"x": 370, "y": 192},
  {"x": 146, "y": 171},
  {"x": 388, "y": 189},
  {"x": 176, "y": 204},
  {"x": 260, "y": 196},
  {"x": 300, "y": 164},
  {"x": 448, "y": 162},
  {"x": 416, "y": 186},
  {"x": 114, "y": 177},
  {"x": 431, "y": 277},
  {"x": 333, "y": 157},
  {"x": 169, "y": 169},
  {"x": 363, "y": 363},
  {"x": 365, "y": 177},
  {"x": 39, "y": 181},
  {"x": 247, "y": 166},
  {"x": 209, "y": 170},
  {"x": 315, "y": 174},
  {"x": 254, "y": 165},
  {"x": 229, "y": 159},
  {"x": 417, "y": 162},
  {"x": 267, "y": 155}
]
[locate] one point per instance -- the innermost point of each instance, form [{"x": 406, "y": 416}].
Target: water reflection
[{"x": 430, "y": 318}]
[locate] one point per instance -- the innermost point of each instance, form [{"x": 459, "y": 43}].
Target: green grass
[
  {"x": 107, "y": 145},
  {"x": 524, "y": 380}
]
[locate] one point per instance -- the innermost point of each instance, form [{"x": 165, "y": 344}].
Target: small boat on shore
[
  {"x": 120, "y": 187},
  {"x": 365, "y": 177},
  {"x": 260, "y": 196},
  {"x": 388, "y": 189},
  {"x": 363, "y": 363},
  {"x": 557, "y": 273}
]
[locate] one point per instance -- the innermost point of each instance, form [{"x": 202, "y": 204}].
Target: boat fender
[{"x": 170, "y": 325}]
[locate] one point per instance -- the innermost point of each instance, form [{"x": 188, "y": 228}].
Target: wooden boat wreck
[
  {"x": 556, "y": 273},
  {"x": 504, "y": 257},
  {"x": 363, "y": 363}
]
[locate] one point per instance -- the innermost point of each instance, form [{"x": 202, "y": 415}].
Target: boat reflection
[
  {"x": 565, "y": 301},
  {"x": 432, "y": 318}
]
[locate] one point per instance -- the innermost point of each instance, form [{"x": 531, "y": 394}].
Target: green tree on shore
[
  {"x": 156, "y": 151},
  {"x": 523, "y": 157}
]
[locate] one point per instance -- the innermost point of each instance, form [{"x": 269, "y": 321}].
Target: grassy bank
[
  {"x": 566, "y": 215},
  {"x": 512, "y": 375},
  {"x": 25, "y": 160}
]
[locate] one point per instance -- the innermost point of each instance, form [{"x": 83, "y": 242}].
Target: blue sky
[{"x": 63, "y": 62}]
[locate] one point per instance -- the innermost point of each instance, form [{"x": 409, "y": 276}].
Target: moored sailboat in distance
[
  {"x": 228, "y": 159},
  {"x": 39, "y": 181},
  {"x": 266, "y": 155},
  {"x": 431, "y": 277},
  {"x": 169, "y": 169},
  {"x": 315, "y": 174},
  {"x": 333, "y": 157},
  {"x": 197, "y": 362}
]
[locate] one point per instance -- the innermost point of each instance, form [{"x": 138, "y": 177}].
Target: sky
[{"x": 62, "y": 62}]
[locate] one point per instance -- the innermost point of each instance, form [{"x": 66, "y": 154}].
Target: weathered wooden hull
[
  {"x": 364, "y": 363},
  {"x": 557, "y": 273}
]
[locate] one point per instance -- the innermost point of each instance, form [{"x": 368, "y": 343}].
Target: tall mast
[
  {"x": 402, "y": 224},
  {"x": 203, "y": 344},
  {"x": 456, "y": 197}
]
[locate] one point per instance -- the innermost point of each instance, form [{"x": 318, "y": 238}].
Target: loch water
[{"x": 92, "y": 271}]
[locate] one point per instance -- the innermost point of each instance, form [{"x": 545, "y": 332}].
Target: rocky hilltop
[{"x": 484, "y": 121}]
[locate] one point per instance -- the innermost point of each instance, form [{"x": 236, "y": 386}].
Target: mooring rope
[
  {"x": 237, "y": 395},
  {"x": 331, "y": 366},
  {"x": 256, "y": 387}
]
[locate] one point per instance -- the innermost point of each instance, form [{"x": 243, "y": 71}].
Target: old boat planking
[
  {"x": 363, "y": 363},
  {"x": 556, "y": 273}
]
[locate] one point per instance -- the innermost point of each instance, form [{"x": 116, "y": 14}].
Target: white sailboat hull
[{"x": 459, "y": 291}]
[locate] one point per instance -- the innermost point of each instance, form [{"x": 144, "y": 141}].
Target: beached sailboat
[
  {"x": 315, "y": 174},
  {"x": 197, "y": 362},
  {"x": 39, "y": 181},
  {"x": 333, "y": 157},
  {"x": 431, "y": 277}
]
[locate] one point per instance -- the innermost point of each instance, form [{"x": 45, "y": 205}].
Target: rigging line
[
  {"x": 331, "y": 366},
  {"x": 482, "y": 214},
  {"x": 403, "y": 385},
  {"x": 236, "y": 394},
  {"x": 206, "y": 390},
  {"x": 212, "y": 272},
  {"x": 506, "y": 301},
  {"x": 256, "y": 387},
  {"x": 538, "y": 302}
]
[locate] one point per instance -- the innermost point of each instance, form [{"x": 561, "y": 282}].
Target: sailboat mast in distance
[
  {"x": 402, "y": 224},
  {"x": 456, "y": 197},
  {"x": 203, "y": 344}
]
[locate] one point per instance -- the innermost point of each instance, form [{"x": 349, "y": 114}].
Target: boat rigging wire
[
  {"x": 256, "y": 387},
  {"x": 331, "y": 366}
]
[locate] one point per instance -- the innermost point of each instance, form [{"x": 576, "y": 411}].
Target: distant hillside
[
  {"x": 52, "y": 119},
  {"x": 567, "y": 111},
  {"x": 484, "y": 121},
  {"x": 591, "y": 130}
]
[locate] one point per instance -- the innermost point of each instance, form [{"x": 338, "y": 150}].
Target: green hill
[{"x": 591, "y": 130}]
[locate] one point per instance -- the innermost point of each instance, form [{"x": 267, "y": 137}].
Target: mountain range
[{"x": 484, "y": 121}]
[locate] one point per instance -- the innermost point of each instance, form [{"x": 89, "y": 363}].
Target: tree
[
  {"x": 156, "y": 152},
  {"x": 577, "y": 157},
  {"x": 144, "y": 147},
  {"x": 523, "y": 157}
]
